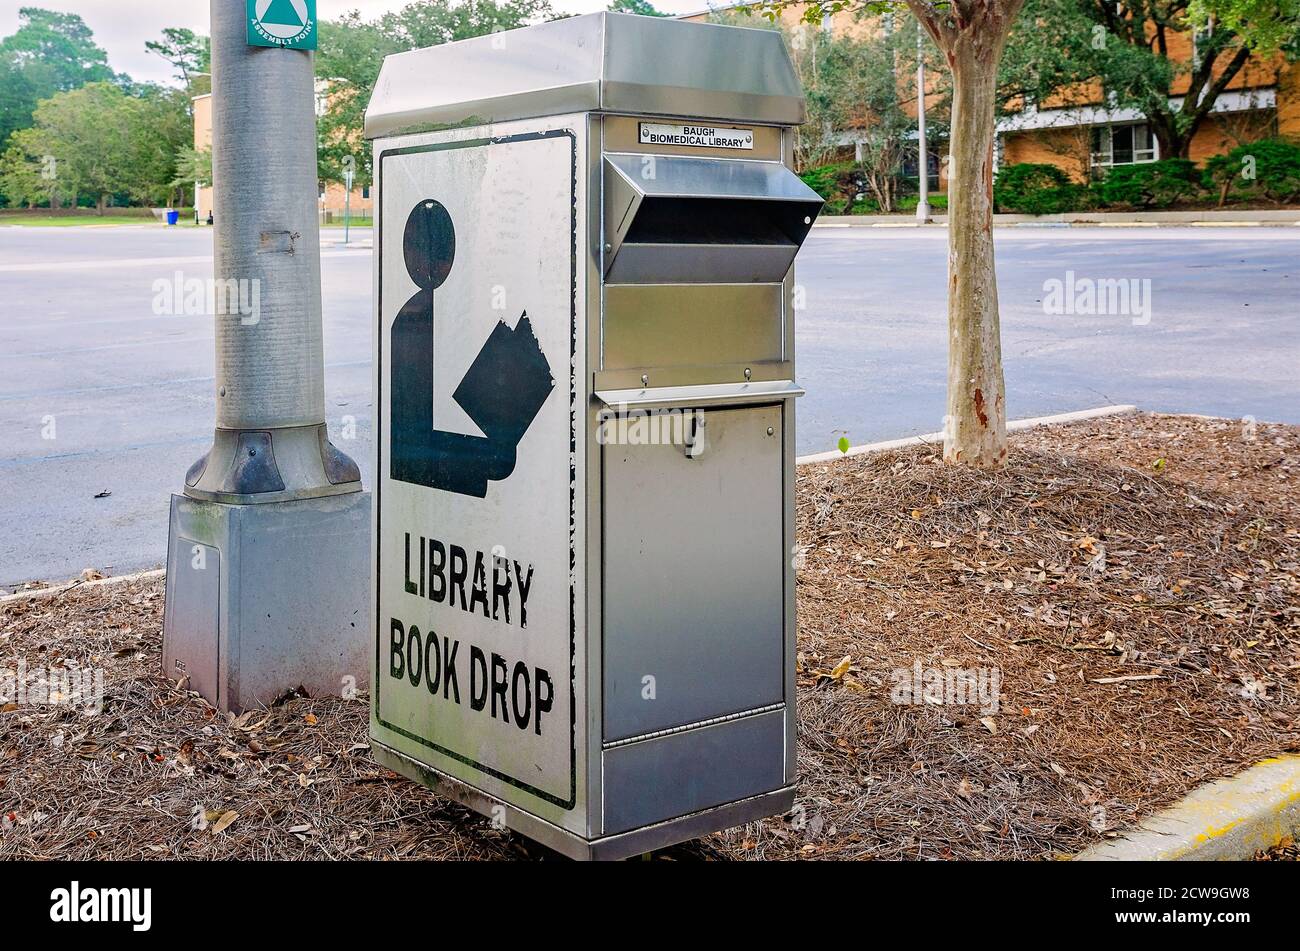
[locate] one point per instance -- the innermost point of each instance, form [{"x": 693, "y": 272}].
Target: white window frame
[{"x": 1106, "y": 158}]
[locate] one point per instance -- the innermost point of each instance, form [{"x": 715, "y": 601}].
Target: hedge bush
[
  {"x": 1037, "y": 189},
  {"x": 1269, "y": 168},
  {"x": 1042, "y": 189},
  {"x": 827, "y": 180},
  {"x": 837, "y": 184},
  {"x": 1150, "y": 184}
]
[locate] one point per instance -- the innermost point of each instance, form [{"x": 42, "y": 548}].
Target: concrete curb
[
  {"x": 1140, "y": 219},
  {"x": 55, "y": 590},
  {"x": 1014, "y": 426},
  {"x": 1227, "y": 820}
]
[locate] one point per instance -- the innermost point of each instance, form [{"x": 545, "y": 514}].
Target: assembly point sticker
[{"x": 284, "y": 23}]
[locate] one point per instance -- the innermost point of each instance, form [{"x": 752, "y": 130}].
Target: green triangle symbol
[{"x": 283, "y": 13}]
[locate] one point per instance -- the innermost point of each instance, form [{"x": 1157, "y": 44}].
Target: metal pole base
[
  {"x": 271, "y": 465},
  {"x": 263, "y": 599}
]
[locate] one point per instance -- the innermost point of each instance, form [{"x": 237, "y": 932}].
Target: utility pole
[
  {"x": 922, "y": 153},
  {"x": 268, "y": 552}
]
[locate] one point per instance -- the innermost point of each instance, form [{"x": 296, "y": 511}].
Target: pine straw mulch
[
  {"x": 1134, "y": 581},
  {"x": 1284, "y": 851}
]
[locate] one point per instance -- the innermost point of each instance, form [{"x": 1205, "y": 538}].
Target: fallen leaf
[{"x": 224, "y": 822}]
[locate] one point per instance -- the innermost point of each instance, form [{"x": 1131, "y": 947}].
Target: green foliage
[
  {"x": 1150, "y": 184},
  {"x": 352, "y": 50},
  {"x": 49, "y": 53},
  {"x": 347, "y": 62},
  {"x": 1269, "y": 168},
  {"x": 937, "y": 202},
  {"x": 840, "y": 184},
  {"x": 192, "y": 165},
  {"x": 189, "y": 53},
  {"x": 29, "y": 174},
  {"x": 432, "y": 22},
  {"x": 1050, "y": 49},
  {"x": 851, "y": 85},
  {"x": 642, "y": 8},
  {"x": 1060, "y": 43},
  {"x": 1267, "y": 26},
  {"x": 1034, "y": 189},
  {"x": 845, "y": 188},
  {"x": 99, "y": 141},
  {"x": 829, "y": 181}
]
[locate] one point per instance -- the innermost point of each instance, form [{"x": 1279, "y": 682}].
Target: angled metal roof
[{"x": 600, "y": 62}]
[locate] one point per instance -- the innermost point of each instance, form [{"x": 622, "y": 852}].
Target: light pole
[
  {"x": 268, "y": 549},
  {"x": 922, "y": 154},
  {"x": 347, "y": 202}
]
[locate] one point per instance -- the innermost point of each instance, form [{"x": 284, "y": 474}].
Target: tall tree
[
  {"x": 101, "y": 141},
  {"x": 642, "y": 8},
  {"x": 347, "y": 65},
  {"x": 353, "y": 49},
  {"x": 1172, "y": 60},
  {"x": 431, "y": 22},
  {"x": 49, "y": 53},
  {"x": 189, "y": 53},
  {"x": 971, "y": 36},
  {"x": 1137, "y": 68},
  {"x": 29, "y": 173}
]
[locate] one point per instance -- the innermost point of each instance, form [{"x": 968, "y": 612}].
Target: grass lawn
[{"x": 70, "y": 221}]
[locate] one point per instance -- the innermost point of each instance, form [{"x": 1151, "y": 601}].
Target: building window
[
  {"x": 1201, "y": 38},
  {"x": 365, "y": 191},
  {"x": 1122, "y": 145},
  {"x": 910, "y": 163}
]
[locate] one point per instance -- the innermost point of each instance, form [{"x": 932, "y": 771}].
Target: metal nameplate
[{"x": 701, "y": 136}]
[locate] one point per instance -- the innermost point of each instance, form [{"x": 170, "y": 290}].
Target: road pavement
[{"x": 99, "y": 394}]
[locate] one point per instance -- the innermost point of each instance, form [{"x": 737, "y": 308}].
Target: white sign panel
[
  {"x": 475, "y": 493},
  {"x": 703, "y": 136}
]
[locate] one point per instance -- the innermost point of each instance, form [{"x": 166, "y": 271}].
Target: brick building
[
  {"x": 332, "y": 198},
  {"x": 1081, "y": 134}
]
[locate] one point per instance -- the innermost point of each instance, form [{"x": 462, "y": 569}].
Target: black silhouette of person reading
[{"x": 502, "y": 391}]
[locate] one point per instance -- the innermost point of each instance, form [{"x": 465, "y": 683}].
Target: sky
[{"x": 122, "y": 26}]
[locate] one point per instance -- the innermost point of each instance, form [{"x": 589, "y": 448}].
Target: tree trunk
[
  {"x": 975, "y": 432},
  {"x": 101, "y": 204},
  {"x": 1173, "y": 144}
]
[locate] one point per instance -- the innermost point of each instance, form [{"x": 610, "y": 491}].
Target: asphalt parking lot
[{"x": 99, "y": 394}]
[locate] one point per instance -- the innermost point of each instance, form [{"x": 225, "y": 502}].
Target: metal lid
[{"x": 600, "y": 62}]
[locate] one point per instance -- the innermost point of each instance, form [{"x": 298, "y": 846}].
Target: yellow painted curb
[{"x": 1231, "y": 819}]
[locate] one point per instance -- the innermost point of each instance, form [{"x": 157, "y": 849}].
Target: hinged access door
[{"x": 694, "y": 569}]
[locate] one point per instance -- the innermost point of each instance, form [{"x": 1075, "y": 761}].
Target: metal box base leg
[
  {"x": 265, "y": 598},
  {"x": 609, "y": 848}
]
